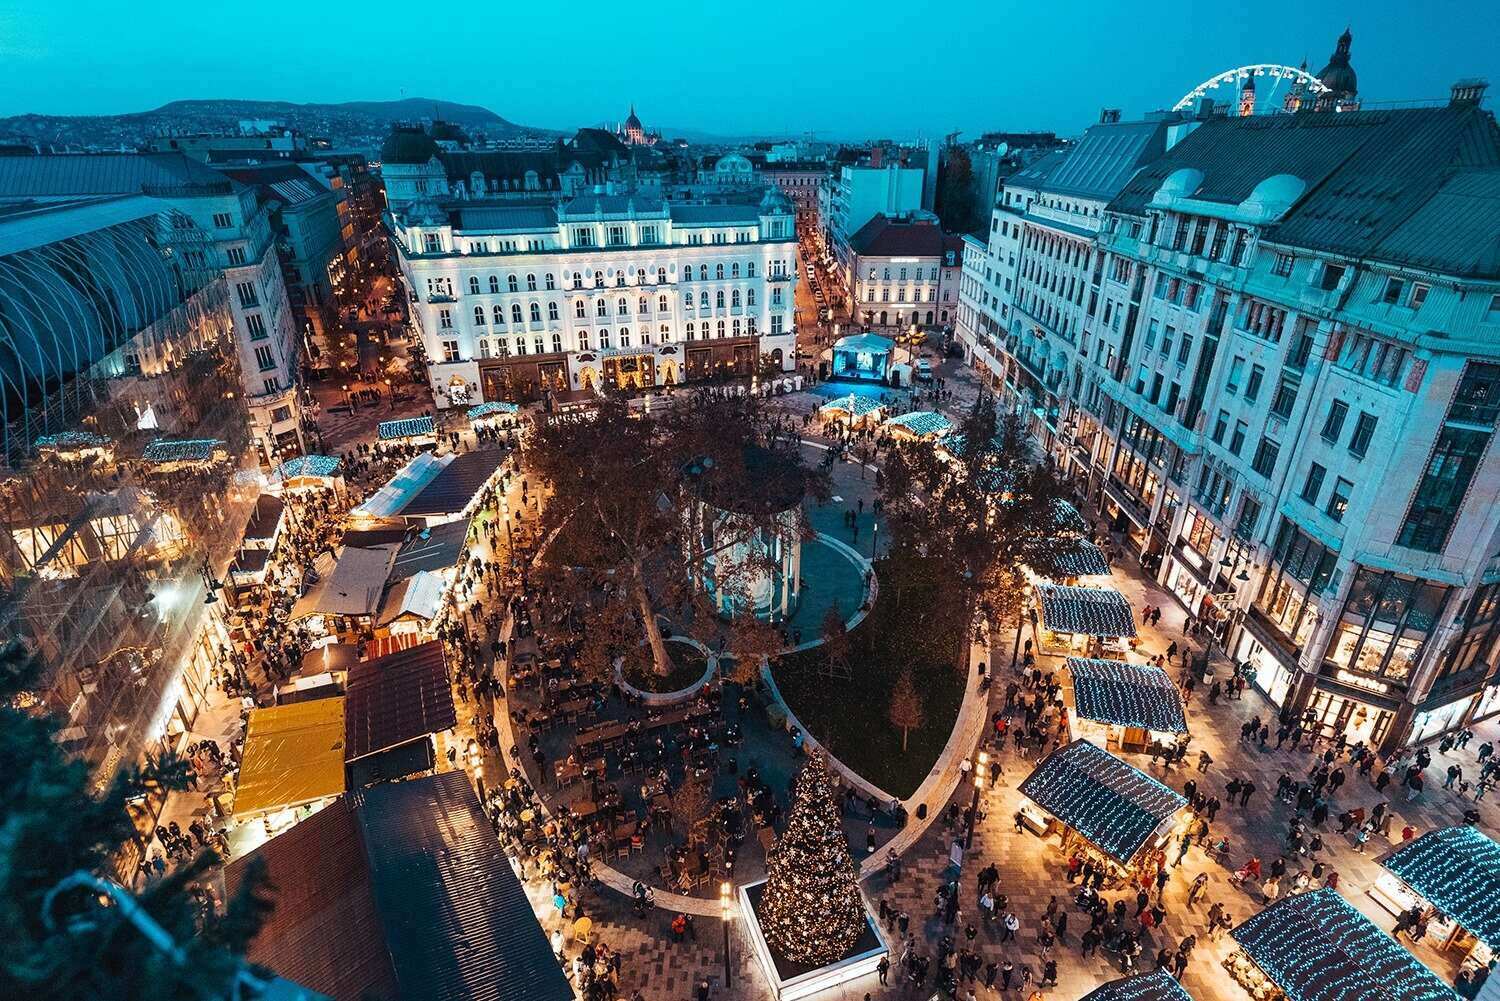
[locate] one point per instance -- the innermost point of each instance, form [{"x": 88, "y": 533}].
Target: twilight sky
[{"x": 878, "y": 68}]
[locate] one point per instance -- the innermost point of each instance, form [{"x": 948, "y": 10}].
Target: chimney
[
  {"x": 1468, "y": 93},
  {"x": 1109, "y": 116},
  {"x": 875, "y": 156}
]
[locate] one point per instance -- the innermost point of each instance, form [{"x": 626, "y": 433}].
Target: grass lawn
[{"x": 915, "y": 623}]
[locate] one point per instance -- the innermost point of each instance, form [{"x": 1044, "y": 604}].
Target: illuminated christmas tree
[{"x": 812, "y": 911}]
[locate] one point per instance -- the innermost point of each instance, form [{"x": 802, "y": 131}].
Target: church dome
[
  {"x": 407, "y": 144},
  {"x": 632, "y": 123},
  {"x": 775, "y": 200},
  {"x": 1338, "y": 76}
]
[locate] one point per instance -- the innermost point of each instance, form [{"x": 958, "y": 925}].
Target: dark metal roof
[
  {"x": 265, "y": 518},
  {"x": 883, "y": 236},
  {"x": 436, "y": 548},
  {"x": 1317, "y": 947},
  {"x": 1113, "y": 805},
  {"x": 452, "y": 489},
  {"x": 1105, "y": 158},
  {"x": 1456, "y": 870},
  {"x": 1383, "y": 184},
  {"x": 397, "y": 698},
  {"x": 1111, "y": 691},
  {"x": 74, "y": 174},
  {"x": 457, "y": 920},
  {"x": 1156, "y": 986},
  {"x": 324, "y": 932}
]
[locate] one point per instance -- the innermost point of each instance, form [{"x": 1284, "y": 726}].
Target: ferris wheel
[{"x": 1272, "y": 83}]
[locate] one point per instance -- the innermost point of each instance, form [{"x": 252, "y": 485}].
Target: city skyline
[{"x": 992, "y": 82}]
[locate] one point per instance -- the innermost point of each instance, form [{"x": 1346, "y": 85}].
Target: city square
[{"x": 455, "y": 559}]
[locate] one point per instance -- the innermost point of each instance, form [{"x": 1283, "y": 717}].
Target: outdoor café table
[
  {"x": 624, "y": 832},
  {"x": 568, "y": 771},
  {"x": 583, "y": 809},
  {"x": 570, "y": 707}
]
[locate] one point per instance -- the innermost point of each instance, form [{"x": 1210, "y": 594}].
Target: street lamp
[
  {"x": 725, "y": 914},
  {"x": 980, "y": 762}
]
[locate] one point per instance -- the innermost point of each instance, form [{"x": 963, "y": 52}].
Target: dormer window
[{"x": 1392, "y": 293}]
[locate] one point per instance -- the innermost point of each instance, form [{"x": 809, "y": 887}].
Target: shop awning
[
  {"x": 405, "y": 427},
  {"x": 1081, "y": 558},
  {"x": 1156, "y": 986},
  {"x": 398, "y": 698},
  {"x": 921, "y": 423},
  {"x": 1092, "y": 611},
  {"x": 1316, "y": 947},
  {"x": 1111, "y": 691},
  {"x": 854, "y": 405},
  {"x": 294, "y": 754},
  {"x": 492, "y": 408},
  {"x": 1115, "y": 806},
  {"x": 1456, "y": 870}
]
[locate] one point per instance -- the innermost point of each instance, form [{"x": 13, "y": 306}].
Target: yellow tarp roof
[{"x": 293, "y": 754}]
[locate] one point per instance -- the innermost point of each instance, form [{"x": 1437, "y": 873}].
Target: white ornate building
[
  {"x": 1269, "y": 354},
  {"x": 514, "y": 299}
]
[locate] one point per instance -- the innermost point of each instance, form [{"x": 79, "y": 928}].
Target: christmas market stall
[
  {"x": 1451, "y": 877},
  {"x": 393, "y": 707},
  {"x": 1158, "y": 985},
  {"x": 417, "y": 431},
  {"x": 1114, "y": 811},
  {"x": 166, "y": 455},
  {"x": 76, "y": 446},
  {"x": 293, "y": 764},
  {"x": 1082, "y": 559},
  {"x": 1087, "y": 620},
  {"x": 853, "y": 409},
  {"x": 347, "y": 592},
  {"x": 862, "y": 356},
  {"x": 398, "y": 891},
  {"x": 457, "y": 491},
  {"x": 1316, "y": 947},
  {"x": 1129, "y": 706},
  {"x": 411, "y": 479},
  {"x": 311, "y": 472},
  {"x": 918, "y": 424},
  {"x": 493, "y": 414}
]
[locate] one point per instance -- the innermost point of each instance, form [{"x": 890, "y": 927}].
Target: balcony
[{"x": 438, "y": 297}]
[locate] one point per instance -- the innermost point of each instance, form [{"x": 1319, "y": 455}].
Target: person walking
[{"x": 1204, "y": 760}]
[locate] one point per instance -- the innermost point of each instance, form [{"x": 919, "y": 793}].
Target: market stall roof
[
  {"x": 457, "y": 921},
  {"x": 294, "y": 754},
  {"x": 921, "y": 422},
  {"x": 396, "y": 699},
  {"x": 854, "y": 405},
  {"x": 1068, "y": 518},
  {"x": 420, "y": 595},
  {"x": 1081, "y": 558},
  {"x": 440, "y": 547},
  {"x": 71, "y": 441},
  {"x": 353, "y": 585},
  {"x": 1112, "y": 691},
  {"x": 1155, "y": 986},
  {"x": 1316, "y": 947},
  {"x": 405, "y": 427},
  {"x": 453, "y": 489},
  {"x": 318, "y": 466},
  {"x": 401, "y": 891},
  {"x": 324, "y": 932},
  {"x": 265, "y": 520},
  {"x": 250, "y": 561},
  {"x": 164, "y": 450},
  {"x": 1456, "y": 870},
  {"x": 492, "y": 408},
  {"x": 328, "y": 658},
  {"x": 1113, "y": 805},
  {"x": 1092, "y": 611},
  {"x": 410, "y": 480}
]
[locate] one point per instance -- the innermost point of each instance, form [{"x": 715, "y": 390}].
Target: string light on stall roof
[
  {"x": 1113, "y": 805},
  {"x": 1457, "y": 870},
  {"x": 1112, "y": 691},
  {"x": 1159, "y": 985},
  {"x": 1091, "y": 611},
  {"x": 1317, "y": 947}
]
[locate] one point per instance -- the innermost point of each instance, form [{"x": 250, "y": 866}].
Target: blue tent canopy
[
  {"x": 1456, "y": 870},
  {"x": 492, "y": 408},
  {"x": 308, "y": 465},
  {"x": 405, "y": 427},
  {"x": 854, "y": 405}
]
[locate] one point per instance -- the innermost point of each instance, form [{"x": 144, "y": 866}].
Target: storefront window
[
  {"x": 1479, "y": 643},
  {"x": 1385, "y": 623}
]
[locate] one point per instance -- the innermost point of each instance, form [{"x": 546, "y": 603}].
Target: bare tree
[
  {"x": 906, "y": 706},
  {"x": 835, "y": 643}
]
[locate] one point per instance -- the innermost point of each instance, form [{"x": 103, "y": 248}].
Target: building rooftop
[
  {"x": 70, "y": 175},
  {"x": 397, "y": 698},
  {"x": 1407, "y": 186},
  {"x": 1100, "y": 164},
  {"x": 885, "y": 236}
]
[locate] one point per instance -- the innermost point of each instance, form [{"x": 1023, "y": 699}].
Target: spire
[{"x": 1247, "y": 96}]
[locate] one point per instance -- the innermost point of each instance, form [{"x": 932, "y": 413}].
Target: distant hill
[{"x": 349, "y": 123}]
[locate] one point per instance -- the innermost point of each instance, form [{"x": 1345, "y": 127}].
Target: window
[
  {"x": 661, "y": 276},
  {"x": 583, "y": 236},
  {"x": 531, "y": 283},
  {"x": 1418, "y": 295},
  {"x": 1252, "y": 388},
  {"x": 494, "y": 284},
  {"x": 498, "y": 314},
  {"x": 661, "y": 304},
  {"x": 601, "y": 308},
  {"x": 1236, "y": 443},
  {"x": 432, "y": 243},
  {"x": 1313, "y": 485},
  {"x": 750, "y": 297},
  {"x": 1338, "y": 501},
  {"x": 1221, "y": 426},
  {"x": 580, "y": 311},
  {"x": 1282, "y": 265},
  {"x": 1391, "y": 294},
  {"x": 1265, "y": 457},
  {"x": 512, "y": 283},
  {"x": 1166, "y": 342},
  {"x": 450, "y": 351},
  {"x": 1332, "y": 275},
  {"x": 617, "y": 236},
  {"x": 1186, "y": 349},
  {"x": 1285, "y": 398},
  {"x": 719, "y": 272},
  {"x": 552, "y": 311},
  {"x": 473, "y": 284},
  {"x": 445, "y": 319},
  {"x": 265, "y": 358},
  {"x": 719, "y": 299},
  {"x": 1445, "y": 480},
  {"x": 1333, "y": 424},
  {"x": 256, "y": 325},
  {"x": 1364, "y": 430},
  {"x": 536, "y": 312},
  {"x": 248, "y": 295},
  {"x": 478, "y": 316},
  {"x": 236, "y": 255},
  {"x": 271, "y": 385},
  {"x": 223, "y": 220},
  {"x": 583, "y": 340},
  {"x": 1236, "y": 369},
  {"x": 1244, "y": 527},
  {"x": 557, "y": 343}
]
